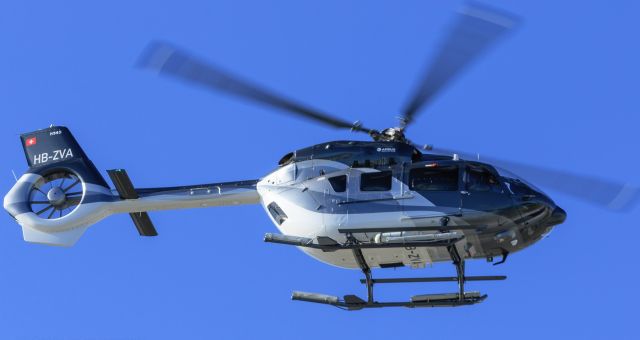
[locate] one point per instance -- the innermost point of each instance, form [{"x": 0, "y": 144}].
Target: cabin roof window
[
  {"x": 288, "y": 158},
  {"x": 375, "y": 181},
  {"x": 434, "y": 179},
  {"x": 338, "y": 183}
]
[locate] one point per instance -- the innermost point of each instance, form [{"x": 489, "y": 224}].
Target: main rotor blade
[
  {"x": 474, "y": 30},
  {"x": 602, "y": 192},
  {"x": 169, "y": 60}
]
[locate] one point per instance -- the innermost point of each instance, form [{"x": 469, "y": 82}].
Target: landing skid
[{"x": 353, "y": 302}]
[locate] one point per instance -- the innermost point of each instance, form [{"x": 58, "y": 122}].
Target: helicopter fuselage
[{"x": 389, "y": 190}]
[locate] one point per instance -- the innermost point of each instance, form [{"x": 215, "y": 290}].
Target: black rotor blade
[
  {"x": 45, "y": 209},
  {"x": 602, "y": 192},
  {"x": 76, "y": 182},
  {"x": 474, "y": 30},
  {"x": 169, "y": 60}
]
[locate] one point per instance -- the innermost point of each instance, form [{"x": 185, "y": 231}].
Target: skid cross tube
[
  {"x": 357, "y": 253},
  {"x": 459, "y": 263},
  {"x": 437, "y": 279},
  {"x": 362, "y": 263}
]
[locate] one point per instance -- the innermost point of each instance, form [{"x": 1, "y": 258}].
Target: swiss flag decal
[{"x": 30, "y": 141}]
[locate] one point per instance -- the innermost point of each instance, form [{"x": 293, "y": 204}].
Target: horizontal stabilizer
[
  {"x": 126, "y": 190},
  {"x": 123, "y": 183},
  {"x": 143, "y": 224}
]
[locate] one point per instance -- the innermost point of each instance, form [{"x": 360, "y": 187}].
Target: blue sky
[{"x": 562, "y": 92}]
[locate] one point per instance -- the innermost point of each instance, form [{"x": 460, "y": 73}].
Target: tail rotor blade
[
  {"x": 169, "y": 60},
  {"x": 475, "y": 30}
]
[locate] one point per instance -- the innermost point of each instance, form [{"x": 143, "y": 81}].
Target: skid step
[{"x": 444, "y": 297}]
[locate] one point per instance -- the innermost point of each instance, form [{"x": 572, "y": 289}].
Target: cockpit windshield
[{"x": 517, "y": 184}]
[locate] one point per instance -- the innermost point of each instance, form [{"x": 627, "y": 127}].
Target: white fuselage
[
  {"x": 313, "y": 208},
  {"x": 302, "y": 200}
]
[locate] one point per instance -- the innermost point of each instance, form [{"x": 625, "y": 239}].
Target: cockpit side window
[
  {"x": 434, "y": 179},
  {"x": 338, "y": 183},
  {"x": 480, "y": 179},
  {"x": 375, "y": 181}
]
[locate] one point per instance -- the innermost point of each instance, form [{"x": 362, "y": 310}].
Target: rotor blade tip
[
  {"x": 475, "y": 29},
  {"x": 490, "y": 15},
  {"x": 155, "y": 55},
  {"x": 626, "y": 199}
]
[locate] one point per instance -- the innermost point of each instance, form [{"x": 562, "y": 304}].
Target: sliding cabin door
[{"x": 434, "y": 190}]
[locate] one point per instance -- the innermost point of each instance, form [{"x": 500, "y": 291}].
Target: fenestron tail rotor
[{"x": 55, "y": 195}]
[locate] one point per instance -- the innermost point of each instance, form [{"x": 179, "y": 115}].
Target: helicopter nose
[{"x": 558, "y": 216}]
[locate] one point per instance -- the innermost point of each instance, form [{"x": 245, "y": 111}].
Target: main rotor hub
[
  {"x": 391, "y": 135},
  {"x": 56, "y": 196}
]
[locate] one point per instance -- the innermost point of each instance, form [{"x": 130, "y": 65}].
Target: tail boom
[
  {"x": 92, "y": 198},
  {"x": 196, "y": 196}
]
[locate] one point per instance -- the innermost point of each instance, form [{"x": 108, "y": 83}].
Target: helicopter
[{"x": 363, "y": 205}]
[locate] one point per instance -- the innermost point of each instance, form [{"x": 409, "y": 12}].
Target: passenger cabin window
[
  {"x": 434, "y": 179},
  {"x": 480, "y": 179},
  {"x": 338, "y": 183},
  {"x": 375, "y": 181}
]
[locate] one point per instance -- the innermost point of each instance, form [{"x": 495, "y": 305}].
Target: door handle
[{"x": 464, "y": 192}]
